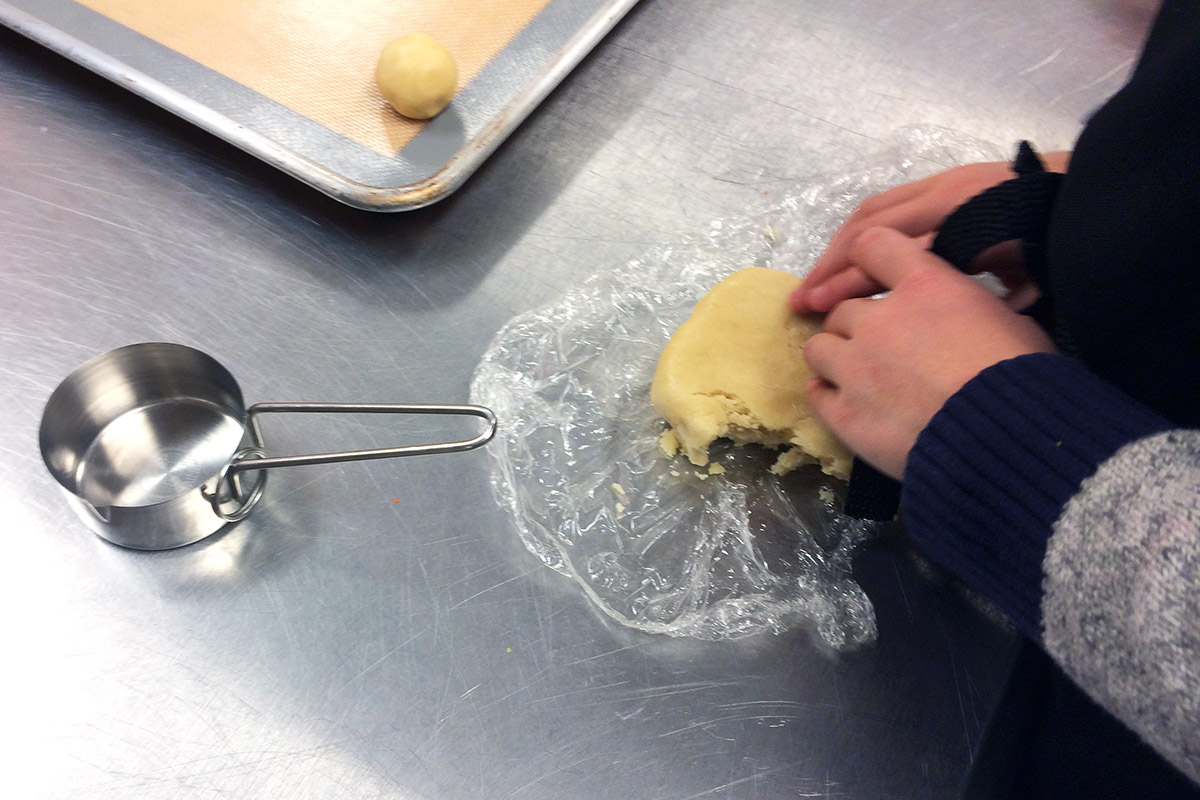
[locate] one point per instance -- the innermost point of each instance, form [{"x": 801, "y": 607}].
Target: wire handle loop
[{"x": 259, "y": 461}]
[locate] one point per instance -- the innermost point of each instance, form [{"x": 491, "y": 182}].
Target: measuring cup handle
[{"x": 257, "y": 463}]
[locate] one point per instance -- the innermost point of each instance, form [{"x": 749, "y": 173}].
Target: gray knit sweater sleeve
[{"x": 1121, "y": 603}]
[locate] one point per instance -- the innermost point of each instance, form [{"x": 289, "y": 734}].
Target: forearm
[
  {"x": 1077, "y": 511},
  {"x": 1122, "y": 581},
  {"x": 990, "y": 474}
]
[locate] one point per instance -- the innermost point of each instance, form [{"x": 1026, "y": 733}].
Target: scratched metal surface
[{"x": 374, "y": 629}]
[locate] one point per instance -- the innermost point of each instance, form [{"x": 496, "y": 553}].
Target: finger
[
  {"x": 1022, "y": 297},
  {"x": 1005, "y": 260},
  {"x": 823, "y": 397},
  {"x": 825, "y": 354},
  {"x": 843, "y": 286},
  {"x": 888, "y": 256},
  {"x": 911, "y": 213},
  {"x": 844, "y": 318}
]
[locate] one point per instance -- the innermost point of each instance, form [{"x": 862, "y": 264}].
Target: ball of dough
[{"x": 416, "y": 75}]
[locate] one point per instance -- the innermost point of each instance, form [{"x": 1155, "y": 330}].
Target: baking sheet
[{"x": 292, "y": 82}]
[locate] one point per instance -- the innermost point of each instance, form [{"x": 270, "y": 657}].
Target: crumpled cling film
[{"x": 656, "y": 543}]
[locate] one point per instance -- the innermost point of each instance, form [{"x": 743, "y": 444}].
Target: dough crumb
[
  {"x": 716, "y": 469},
  {"x": 735, "y": 369},
  {"x": 417, "y": 76}
]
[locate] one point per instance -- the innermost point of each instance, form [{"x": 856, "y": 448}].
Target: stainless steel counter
[{"x": 376, "y": 629}]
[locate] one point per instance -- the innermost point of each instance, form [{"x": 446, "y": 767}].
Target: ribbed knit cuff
[{"x": 992, "y": 471}]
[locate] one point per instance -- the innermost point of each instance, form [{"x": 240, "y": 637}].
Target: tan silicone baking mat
[{"x": 317, "y": 57}]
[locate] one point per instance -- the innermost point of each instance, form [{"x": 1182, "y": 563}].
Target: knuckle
[
  {"x": 866, "y": 243},
  {"x": 873, "y": 236}
]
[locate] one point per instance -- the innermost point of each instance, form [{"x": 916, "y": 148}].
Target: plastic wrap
[{"x": 656, "y": 543}]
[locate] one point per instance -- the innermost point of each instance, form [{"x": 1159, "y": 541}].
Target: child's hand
[
  {"x": 887, "y": 365},
  {"x": 915, "y": 209}
]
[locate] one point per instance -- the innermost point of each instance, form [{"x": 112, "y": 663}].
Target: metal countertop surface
[{"x": 376, "y": 629}]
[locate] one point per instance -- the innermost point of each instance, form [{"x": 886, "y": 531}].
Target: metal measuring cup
[{"x": 155, "y": 448}]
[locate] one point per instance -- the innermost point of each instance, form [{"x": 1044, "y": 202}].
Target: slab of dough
[{"x": 735, "y": 369}]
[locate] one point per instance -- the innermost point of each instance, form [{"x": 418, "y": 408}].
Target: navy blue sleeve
[{"x": 992, "y": 471}]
